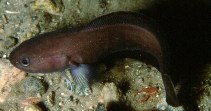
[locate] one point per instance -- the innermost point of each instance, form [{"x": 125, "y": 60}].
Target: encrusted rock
[
  {"x": 33, "y": 86},
  {"x": 48, "y": 6},
  {"x": 32, "y": 108},
  {"x": 9, "y": 76},
  {"x": 109, "y": 93}
]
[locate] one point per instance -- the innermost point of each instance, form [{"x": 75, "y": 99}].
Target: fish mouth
[{"x": 12, "y": 58}]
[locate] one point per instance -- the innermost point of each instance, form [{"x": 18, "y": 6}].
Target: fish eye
[{"x": 24, "y": 61}]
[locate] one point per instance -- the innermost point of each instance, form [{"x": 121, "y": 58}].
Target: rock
[
  {"x": 10, "y": 42},
  {"x": 205, "y": 97},
  {"x": 32, "y": 108},
  {"x": 9, "y": 76},
  {"x": 100, "y": 107},
  {"x": 49, "y": 6},
  {"x": 50, "y": 101},
  {"x": 109, "y": 93},
  {"x": 32, "y": 86},
  {"x": 30, "y": 101}
]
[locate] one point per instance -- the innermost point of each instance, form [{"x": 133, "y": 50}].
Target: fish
[{"x": 79, "y": 47}]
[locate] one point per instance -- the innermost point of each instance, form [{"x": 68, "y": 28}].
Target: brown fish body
[
  {"x": 57, "y": 51},
  {"x": 116, "y": 32}
]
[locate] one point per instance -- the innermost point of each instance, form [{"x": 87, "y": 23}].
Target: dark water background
[{"x": 188, "y": 33}]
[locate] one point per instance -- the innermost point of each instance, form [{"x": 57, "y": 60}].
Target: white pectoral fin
[{"x": 82, "y": 74}]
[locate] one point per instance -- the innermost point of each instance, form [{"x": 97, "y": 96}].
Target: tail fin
[{"x": 171, "y": 97}]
